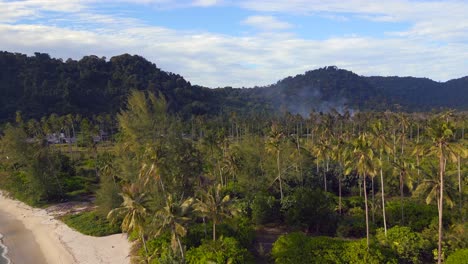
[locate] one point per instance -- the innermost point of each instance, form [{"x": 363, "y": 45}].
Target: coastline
[
  {"x": 17, "y": 240},
  {"x": 4, "y": 250},
  {"x": 46, "y": 237}
]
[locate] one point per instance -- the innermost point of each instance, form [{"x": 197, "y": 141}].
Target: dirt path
[{"x": 264, "y": 239}]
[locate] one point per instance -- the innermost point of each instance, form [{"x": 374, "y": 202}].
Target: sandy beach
[{"x": 47, "y": 240}]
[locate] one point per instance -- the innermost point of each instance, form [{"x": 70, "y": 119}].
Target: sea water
[{"x": 3, "y": 252}]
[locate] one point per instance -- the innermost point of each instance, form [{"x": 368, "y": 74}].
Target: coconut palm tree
[
  {"x": 362, "y": 160},
  {"x": 133, "y": 209},
  {"x": 443, "y": 148},
  {"x": 215, "y": 206},
  {"x": 174, "y": 216},
  {"x": 381, "y": 144},
  {"x": 274, "y": 146}
]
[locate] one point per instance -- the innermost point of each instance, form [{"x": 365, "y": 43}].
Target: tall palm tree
[
  {"x": 362, "y": 160},
  {"x": 274, "y": 146},
  {"x": 133, "y": 209},
  {"x": 215, "y": 206},
  {"x": 380, "y": 142},
  {"x": 174, "y": 216},
  {"x": 442, "y": 148}
]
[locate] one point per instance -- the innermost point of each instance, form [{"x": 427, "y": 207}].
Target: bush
[
  {"x": 291, "y": 249},
  {"x": 410, "y": 246},
  {"x": 224, "y": 250},
  {"x": 242, "y": 231},
  {"x": 91, "y": 223},
  {"x": 311, "y": 209},
  {"x": 458, "y": 257},
  {"x": 416, "y": 215},
  {"x": 353, "y": 224},
  {"x": 356, "y": 253},
  {"x": 265, "y": 209},
  {"x": 299, "y": 248}
]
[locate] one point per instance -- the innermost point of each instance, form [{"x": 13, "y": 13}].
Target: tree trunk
[
  {"x": 373, "y": 201},
  {"x": 401, "y": 199},
  {"x": 383, "y": 197},
  {"x": 279, "y": 174},
  {"x": 367, "y": 212},
  {"x": 460, "y": 190},
  {"x": 441, "y": 202},
  {"x": 181, "y": 249},
  {"x": 214, "y": 230},
  {"x": 339, "y": 194}
]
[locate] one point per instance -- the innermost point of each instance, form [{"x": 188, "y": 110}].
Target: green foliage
[
  {"x": 91, "y": 223},
  {"x": 458, "y": 257},
  {"x": 353, "y": 224},
  {"x": 299, "y": 248},
  {"x": 357, "y": 252},
  {"x": 311, "y": 209},
  {"x": 225, "y": 250},
  {"x": 265, "y": 209},
  {"x": 416, "y": 215},
  {"x": 410, "y": 246}
]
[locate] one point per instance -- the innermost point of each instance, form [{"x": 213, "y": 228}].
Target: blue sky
[{"x": 244, "y": 43}]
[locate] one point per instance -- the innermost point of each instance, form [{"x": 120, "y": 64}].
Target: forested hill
[
  {"x": 423, "y": 94},
  {"x": 40, "y": 85}
]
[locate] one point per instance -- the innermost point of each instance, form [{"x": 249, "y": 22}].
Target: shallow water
[{"x": 3, "y": 251}]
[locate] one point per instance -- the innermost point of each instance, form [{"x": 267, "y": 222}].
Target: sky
[{"x": 246, "y": 43}]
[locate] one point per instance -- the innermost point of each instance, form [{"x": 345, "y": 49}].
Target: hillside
[{"x": 39, "y": 85}]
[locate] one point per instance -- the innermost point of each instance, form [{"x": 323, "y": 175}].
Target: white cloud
[
  {"x": 205, "y": 3},
  {"x": 434, "y": 46},
  {"x": 266, "y": 23}
]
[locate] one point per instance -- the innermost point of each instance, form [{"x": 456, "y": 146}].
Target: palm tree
[
  {"x": 443, "y": 148},
  {"x": 213, "y": 205},
  {"x": 402, "y": 168},
  {"x": 133, "y": 210},
  {"x": 274, "y": 146},
  {"x": 380, "y": 142},
  {"x": 174, "y": 217},
  {"x": 362, "y": 159}
]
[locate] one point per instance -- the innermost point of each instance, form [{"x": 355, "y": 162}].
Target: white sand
[{"x": 62, "y": 245}]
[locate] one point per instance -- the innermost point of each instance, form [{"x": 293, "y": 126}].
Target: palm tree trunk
[
  {"x": 339, "y": 194},
  {"x": 401, "y": 199},
  {"x": 383, "y": 197},
  {"x": 214, "y": 230},
  {"x": 367, "y": 212},
  {"x": 144, "y": 242},
  {"x": 181, "y": 248},
  {"x": 441, "y": 204},
  {"x": 460, "y": 191},
  {"x": 373, "y": 201},
  {"x": 279, "y": 174}
]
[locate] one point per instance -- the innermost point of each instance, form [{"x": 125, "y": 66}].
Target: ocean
[{"x": 3, "y": 252}]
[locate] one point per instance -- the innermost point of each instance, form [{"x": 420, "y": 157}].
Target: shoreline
[
  {"x": 53, "y": 240},
  {"x": 4, "y": 248}
]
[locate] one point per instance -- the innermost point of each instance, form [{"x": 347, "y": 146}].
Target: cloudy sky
[{"x": 249, "y": 42}]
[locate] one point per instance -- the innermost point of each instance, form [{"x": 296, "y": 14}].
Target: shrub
[
  {"x": 224, "y": 250},
  {"x": 416, "y": 215},
  {"x": 299, "y": 248},
  {"x": 265, "y": 209},
  {"x": 356, "y": 253},
  {"x": 291, "y": 249},
  {"x": 457, "y": 257},
  {"x": 91, "y": 223},
  {"x": 311, "y": 209},
  {"x": 410, "y": 246}
]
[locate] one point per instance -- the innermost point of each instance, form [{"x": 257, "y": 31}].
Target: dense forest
[
  {"x": 378, "y": 187},
  {"x": 198, "y": 175},
  {"x": 40, "y": 85}
]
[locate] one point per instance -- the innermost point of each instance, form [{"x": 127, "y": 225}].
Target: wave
[{"x": 4, "y": 253}]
